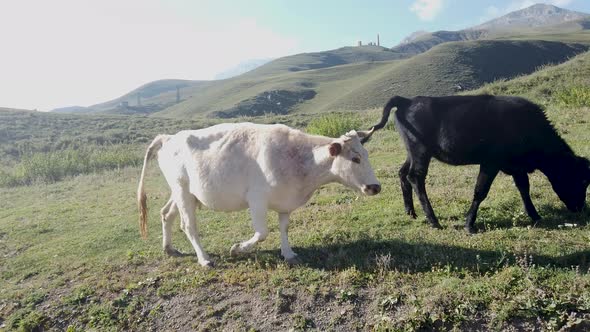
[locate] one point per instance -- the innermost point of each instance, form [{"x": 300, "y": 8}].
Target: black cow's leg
[
  {"x": 417, "y": 177},
  {"x": 522, "y": 183},
  {"x": 482, "y": 187},
  {"x": 407, "y": 189}
]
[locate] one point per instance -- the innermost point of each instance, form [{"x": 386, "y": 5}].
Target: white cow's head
[{"x": 351, "y": 163}]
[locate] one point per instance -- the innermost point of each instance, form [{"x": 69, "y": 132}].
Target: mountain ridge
[
  {"x": 520, "y": 21},
  {"x": 537, "y": 15}
]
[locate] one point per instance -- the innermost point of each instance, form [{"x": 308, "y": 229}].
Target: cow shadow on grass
[
  {"x": 551, "y": 218},
  {"x": 416, "y": 257},
  {"x": 368, "y": 255}
]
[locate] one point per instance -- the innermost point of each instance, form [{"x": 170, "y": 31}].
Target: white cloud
[
  {"x": 427, "y": 9},
  {"x": 561, "y": 2},
  {"x": 492, "y": 11}
]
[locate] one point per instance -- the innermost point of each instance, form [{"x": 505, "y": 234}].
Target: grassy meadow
[{"x": 71, "y": 257}]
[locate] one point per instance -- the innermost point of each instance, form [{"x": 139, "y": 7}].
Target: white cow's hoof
[
  {"x": 235, "y": 250},
  {"x": 207, "y": 264},
  {"x": 293, "y": 261}
]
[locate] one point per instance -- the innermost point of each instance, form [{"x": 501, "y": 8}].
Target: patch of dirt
[
  {"x": 216, "y": 305},
  {"x": 238, "y": 308}
]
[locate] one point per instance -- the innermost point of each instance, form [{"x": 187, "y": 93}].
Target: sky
[{"x": 81, "y": 52}]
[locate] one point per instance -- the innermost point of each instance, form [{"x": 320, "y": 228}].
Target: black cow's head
[{"x": 572, "y": 185}]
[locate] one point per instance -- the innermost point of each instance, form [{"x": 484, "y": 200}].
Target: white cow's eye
[{"x": 356, "y": 160}]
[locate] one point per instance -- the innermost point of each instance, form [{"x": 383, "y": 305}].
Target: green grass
[
  {"x": 334, "y": 124},
  {"x": 574, "y": 96},
  {"x": 54, "y": 166},
  {"x": 77, "y": 241},
  {"x": 71, "y": 257}
]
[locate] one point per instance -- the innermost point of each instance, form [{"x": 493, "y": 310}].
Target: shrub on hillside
[
  {"x": 334, "y": 125},
  {"x": 54, "y": 166}
]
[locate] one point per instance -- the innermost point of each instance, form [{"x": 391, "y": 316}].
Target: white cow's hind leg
[
  {"x": 258, "y": 212},
  {"x": 168, "y": 214},
  {"x": 286, "y": 251},
  {"x": 187, "y": 203}
]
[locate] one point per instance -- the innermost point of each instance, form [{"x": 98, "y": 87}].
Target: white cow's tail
[{"x": 141, "y": 196}]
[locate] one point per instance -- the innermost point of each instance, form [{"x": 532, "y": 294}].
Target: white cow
[{"x": 231, "y": 167}]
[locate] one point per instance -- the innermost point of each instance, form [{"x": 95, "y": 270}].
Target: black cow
[{"x": 507, "y": 134}]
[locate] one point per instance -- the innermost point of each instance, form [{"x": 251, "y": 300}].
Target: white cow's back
[{"x": 223, "y": 164}]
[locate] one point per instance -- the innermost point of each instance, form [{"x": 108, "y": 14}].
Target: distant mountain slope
[
  {"x": 426, "y": 41},
  {"x": 413, "y": 36},
  {"x": 9, "y": 109},
  {"x": 570, "y": 26},
  {"x": 539, "y": 15},
  {"x": 221, "y": 95},
  {"x": 73, "y": 109},
  {"x": 282, "y": 85},
  {"x": 367, "y": 85},
  {"x": 532, "y": 20},
  {"x": 154, "y": 96},
  {"x": 325, "y": 59},
  {"x": 469, "y": 64},
  {"x": 242, "y": 67},
  {"x": 280, "y": 94}
]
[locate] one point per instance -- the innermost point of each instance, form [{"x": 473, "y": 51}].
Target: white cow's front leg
[
  {"x": 258, "y": 210},
  {"x": 286, "y": 251}
]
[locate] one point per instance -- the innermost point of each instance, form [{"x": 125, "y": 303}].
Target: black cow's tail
[{"x": 398, "y": 102}]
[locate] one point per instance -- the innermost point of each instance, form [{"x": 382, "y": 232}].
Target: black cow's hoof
[
  {"x": 436, "y": 225},
  {"x": 294, "y": 261},
  {"x": 412, "y": 214},
  {"x": 471, "y": 230}
]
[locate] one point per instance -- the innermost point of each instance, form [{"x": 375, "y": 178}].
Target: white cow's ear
[{"x": 335, "y": 149}]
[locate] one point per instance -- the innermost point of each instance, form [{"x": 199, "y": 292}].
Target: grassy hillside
[
  {"x": 327, "y": 84},
  {"x": 548, "y": 85},
  {"x": 469, "y": 64},
  {"x": 158, "y": 95},
  {"x": 30, "y": 132},
  {"x": 428, "y": 40},
  {"x": 326, "y": 59},
  {"x": 155, "y": 96},
  {"x": 71, "y": 257},
  {"x": 369, "y": 85}
]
